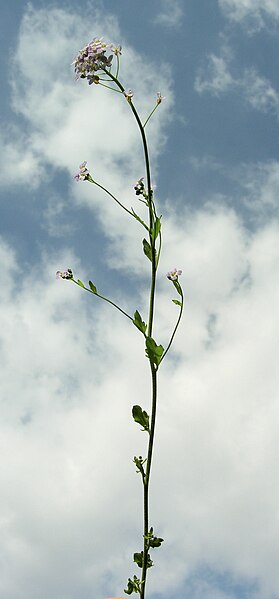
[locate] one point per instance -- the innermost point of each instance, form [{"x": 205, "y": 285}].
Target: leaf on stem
[
  {"x": 133, "y": 586},
  {"x": 141, "y": 417},
  {"x": 177, "y": 302},
  {"x": 152, "y": 540},
  {"x": 92, "y": 287},
  {"x": 153, "y": 351},
  {"x": 147, "y": 249},
  {"x": 138, "y": 559},
  {"x": 80, "y": 283},
  {"x": 156, "y": 229},
  {"x": 139, "y": 323},
  {"x": 156, "y": 542}
]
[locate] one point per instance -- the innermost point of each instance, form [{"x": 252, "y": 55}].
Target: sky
[{"x": 72, "y": 367}]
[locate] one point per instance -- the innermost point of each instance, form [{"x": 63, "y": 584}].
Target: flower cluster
[
  {"x": 139, "y": 187},
  {"x": 174, "y": 274},
  {"x": 83, "y": 173},
  {"x": 65, "y": 274},
  {"x": 92, "y": 59}
]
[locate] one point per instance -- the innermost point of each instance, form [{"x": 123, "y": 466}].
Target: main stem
[
  {"x": 147, "y": 479},
  {"x": 153, "y": 368}
]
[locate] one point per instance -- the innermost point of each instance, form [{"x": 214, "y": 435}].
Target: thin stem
[
  {"x": 151, "y": 216},
  {"x": 151, "y": 113},
  {"x": 175, "y": 329},
  {"x": 112, "y": 196},
  {"x": 105, "y": 299}
]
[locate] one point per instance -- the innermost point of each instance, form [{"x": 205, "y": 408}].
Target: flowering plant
[{"x": 95, "y": 63}]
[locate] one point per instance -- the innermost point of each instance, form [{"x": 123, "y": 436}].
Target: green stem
[
  {"x": 175, "y": 329},
  {"x": 105, "y": 299},
  {"x": 147, "y": 479},
  {"x": 151, "y": 113},
  {"x": 111, "y": 195},
  {"x": 154, "y": 264}
]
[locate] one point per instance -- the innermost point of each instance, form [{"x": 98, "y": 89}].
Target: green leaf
[
  {"x": 139, "y": 323},
  {"x": 80, "y": 283},
  {"x": 177, "y": 302},
  {"x": 156, "y": 229},
  {"x": 133, "y": 586},
  {"x": 155, "y": 542},
  {"x": 152, "y": 540},
  {"x": 138, "y": 559},
  {"x": 147, "y": 249},
  {"x": 92, "y": 287},
  {"x": 153, "y": 351},
  {"x": 139, "y": 219},
  {"x": 141, "y": 417}
]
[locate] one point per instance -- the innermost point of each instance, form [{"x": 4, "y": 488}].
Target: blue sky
[{"x": 71, "y": 369}]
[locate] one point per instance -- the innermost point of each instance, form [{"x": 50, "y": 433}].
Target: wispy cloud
[
  {"x": 171, "y": 13},
  {"x": 259, "y": 92},
  {"x": 254, "y": 13},
  {"x": 20, "y": 163},
  {"x": 215, "y": 78},
  {"x": 261, "y": 184}
]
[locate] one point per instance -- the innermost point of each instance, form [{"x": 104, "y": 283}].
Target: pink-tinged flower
[
  {"x": 160, "y": 98},
  {"x": 83, "y": 173},
  {"x": 65, "y": 274},
  {"x": 174, "y": 274},
  {"x": 92, "y": 58}
]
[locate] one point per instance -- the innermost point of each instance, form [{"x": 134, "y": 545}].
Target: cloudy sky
[{"x": 71, "y": 368}]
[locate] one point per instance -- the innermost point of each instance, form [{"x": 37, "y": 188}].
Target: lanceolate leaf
[
  {"x": 141, "y": 417},
  {"x": 80, "y": 283},
  {"x": 92, "y": 287},
  {"x": 147, "y": 249},
  {"x": 177, "y": 302},
  {"x": 156, "y": 229}
]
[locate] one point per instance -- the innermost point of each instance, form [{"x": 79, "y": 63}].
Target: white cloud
[
  {"x": 66, "y": 403},
  {"x": 216, "y": 78},
  {"x": 254, "y": 12},
  {"x": 261, "y": 184},
  {"x": 20, "y": 164},
  {"x": 171, "y": 13},
  {"x": 259, "y": 92}
]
